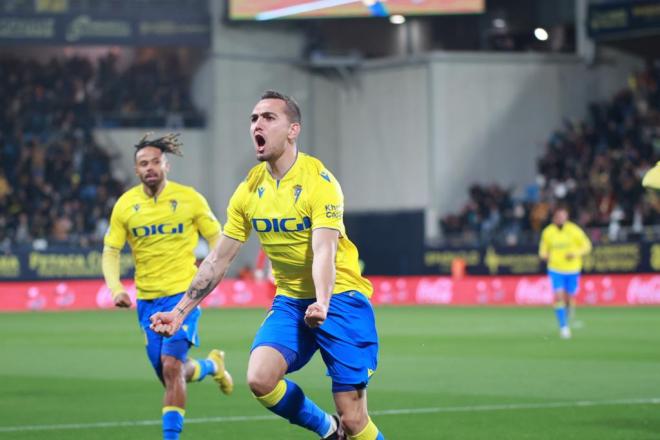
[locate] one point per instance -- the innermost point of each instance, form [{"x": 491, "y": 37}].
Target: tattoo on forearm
[
  {"x": 195, "y": 293},
  {"x": 204, "y": 282}
]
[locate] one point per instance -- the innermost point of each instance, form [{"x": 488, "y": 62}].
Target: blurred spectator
[
  {"x": 5, "y": 188},
  {"x": 22, "y": 231}
]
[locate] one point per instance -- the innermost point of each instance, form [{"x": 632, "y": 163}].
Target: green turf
[{"x": 463, "y": 365}]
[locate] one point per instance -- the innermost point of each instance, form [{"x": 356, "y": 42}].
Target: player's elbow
[{"x": 110, "y": 252}]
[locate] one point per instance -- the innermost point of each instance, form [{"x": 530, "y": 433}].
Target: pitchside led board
[{"x": 261, "y": 10}]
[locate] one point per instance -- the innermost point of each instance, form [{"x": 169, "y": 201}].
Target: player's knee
[
  {"x": 172, "y": 369},
  {"x": 260, "y": 384},
  {"x": 354, "y": 421}
]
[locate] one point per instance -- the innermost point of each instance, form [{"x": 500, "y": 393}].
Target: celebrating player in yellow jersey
[
  {"x": 296, "y": 207},
  {"x": 161, "y": 220},
  {"x": 563, "y": 244}
]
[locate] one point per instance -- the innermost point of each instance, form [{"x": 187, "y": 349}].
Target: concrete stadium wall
[{"x": 382, "y": 139}]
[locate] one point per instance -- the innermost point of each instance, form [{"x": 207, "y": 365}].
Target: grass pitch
[{"x": 444, "y": 373}]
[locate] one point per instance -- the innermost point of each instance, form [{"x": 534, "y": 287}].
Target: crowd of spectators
[
  {"x": 594, "y": 167},
  {"x": 151, "y": 93},
  {"x": 56, "y": 184},
  {"x": 55, "y": 188}
]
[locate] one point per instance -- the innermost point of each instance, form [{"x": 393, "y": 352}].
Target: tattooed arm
[{"x": 209, "y": 274}]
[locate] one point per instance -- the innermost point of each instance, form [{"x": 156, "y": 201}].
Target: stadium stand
[
  {"x": 595, "y": 166},
  {"x": 56, "y": 184}
]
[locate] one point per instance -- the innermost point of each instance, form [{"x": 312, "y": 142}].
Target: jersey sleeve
[
  {"x": 543, "y": 244},
  {"x": 583, "y": 241},
  {"x": 327, "y": 203},
  {"x": 115, "y": 236},
  {"x": 206, "y": 222},
  {"x": 238, "y": 225}
]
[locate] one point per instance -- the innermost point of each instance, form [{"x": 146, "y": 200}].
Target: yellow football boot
[{"x": 221, "y": 376}]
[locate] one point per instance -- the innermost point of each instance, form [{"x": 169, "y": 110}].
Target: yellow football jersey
[
  {"x": 283, "y": 213},
  {"x": 557, "y": 242},
  {"x": 163, "y": 232}
]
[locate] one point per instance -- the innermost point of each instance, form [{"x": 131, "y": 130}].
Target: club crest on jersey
[
  {"x": 296, "y": 192},
  {"x": 173, "y": 205},
  {"x": 136, "y": 207},
  {"x": 325, "y": 175},
  {"x": 260, "y": 191}
]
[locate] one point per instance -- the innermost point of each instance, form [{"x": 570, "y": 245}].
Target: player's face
[
  {"x": 151, "y": 166},
  {"x": 560, "y": 217},
  {"x": 271, "y": 129}
]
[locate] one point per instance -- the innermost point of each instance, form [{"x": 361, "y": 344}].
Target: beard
[{"x": 152, "y": 183}]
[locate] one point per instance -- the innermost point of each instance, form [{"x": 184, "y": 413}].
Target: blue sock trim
[
  {"x": 560, "y": 312},
  {"x": 172, "y": 425},
  {"x": 380, "y": 436},
  {"x": 206, "y": 367},
  {"x": 299, "y": 410}
]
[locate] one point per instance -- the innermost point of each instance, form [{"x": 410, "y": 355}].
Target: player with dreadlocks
[{"x": 162, "y": 220}]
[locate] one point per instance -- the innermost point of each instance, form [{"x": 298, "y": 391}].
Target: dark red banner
[{"x": 596, "y": 290}]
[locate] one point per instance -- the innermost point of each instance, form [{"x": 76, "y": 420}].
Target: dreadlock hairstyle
[{"x": 169, "y": 143}]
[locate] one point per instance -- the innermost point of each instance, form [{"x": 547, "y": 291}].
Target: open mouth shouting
[{"x": 260, "y": 142}]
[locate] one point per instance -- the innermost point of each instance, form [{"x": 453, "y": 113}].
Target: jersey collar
[
  {"x": 291, "y": 172},
  {"x": 155, "y": 199}
]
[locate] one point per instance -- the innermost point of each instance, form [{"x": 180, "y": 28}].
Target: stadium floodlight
[{"x": 541, "y": 34}]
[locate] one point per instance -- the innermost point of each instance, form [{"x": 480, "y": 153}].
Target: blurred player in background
[
  {"x": 563, "y": 244},
  {"x": 296, "y": 207},
  {"x": 161, "y": 221}
]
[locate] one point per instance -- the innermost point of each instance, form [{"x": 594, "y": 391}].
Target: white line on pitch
[{"x": 385, "y": 412}]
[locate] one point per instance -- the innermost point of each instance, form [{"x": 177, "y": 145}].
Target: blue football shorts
[
  {"x": 567, "y": 282},
  {"x": 348, "y": 340},
  {"x": 177, "y": 345}
]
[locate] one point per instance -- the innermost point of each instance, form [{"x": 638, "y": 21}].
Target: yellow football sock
[
  {"x": 273, "y": 398},
  {"x": 370, "y": 432}
]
